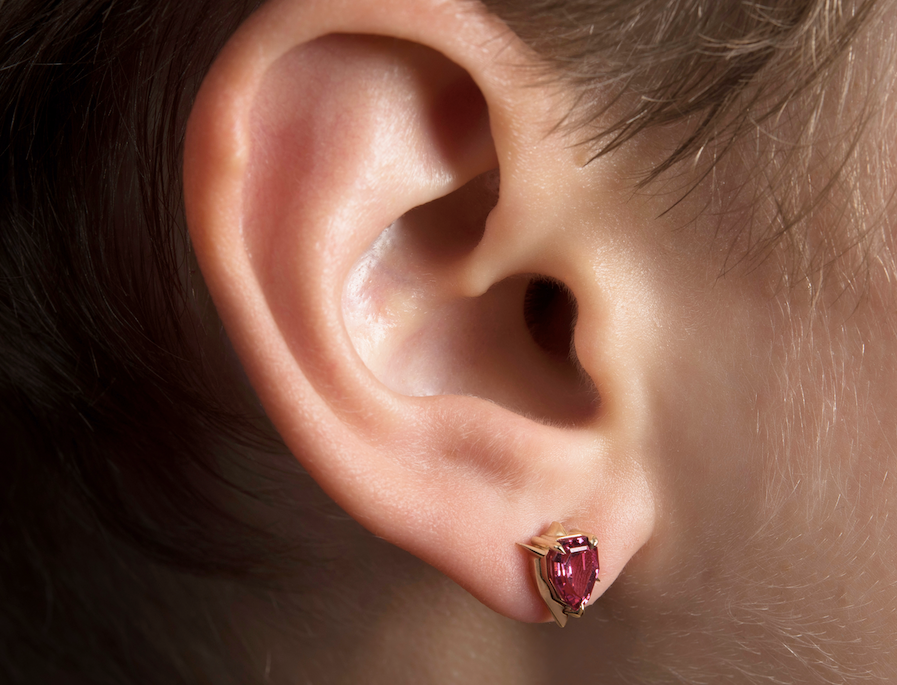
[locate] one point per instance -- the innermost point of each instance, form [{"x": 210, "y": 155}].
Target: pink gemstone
[{"x": 573, "y": 574}]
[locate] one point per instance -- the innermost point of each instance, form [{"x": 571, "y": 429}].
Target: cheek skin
[
  {"x": 712, "y": 368},
  {"x": 772, "y": 477}
]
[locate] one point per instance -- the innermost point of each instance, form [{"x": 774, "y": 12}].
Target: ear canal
[
  {"x": 549, "y": 309},
  {"x": 420, "y": 336}
]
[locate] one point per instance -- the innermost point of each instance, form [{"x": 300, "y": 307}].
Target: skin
[{"x": 736, "y": 466}]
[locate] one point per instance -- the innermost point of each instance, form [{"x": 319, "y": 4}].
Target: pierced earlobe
[{"x": 566, "y": 569}]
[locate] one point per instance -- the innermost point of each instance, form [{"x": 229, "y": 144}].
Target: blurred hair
[
  {"x": 118, "y": 443},
  {"x": 729, "y": 65},
  {"x": 766, "y": 95}
]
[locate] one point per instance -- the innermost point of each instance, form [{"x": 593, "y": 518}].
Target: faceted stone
[{"x": 573, "y": 575}]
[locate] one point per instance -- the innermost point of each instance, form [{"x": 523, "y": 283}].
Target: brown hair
[
  {"x": 730, "y": 65},
  {"x": 745, "y": 76}
]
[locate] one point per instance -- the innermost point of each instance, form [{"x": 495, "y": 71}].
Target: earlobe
[{"x": 341, "y": 167}]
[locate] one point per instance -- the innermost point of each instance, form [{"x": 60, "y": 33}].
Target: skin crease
[{"x": 758, "y": 409}]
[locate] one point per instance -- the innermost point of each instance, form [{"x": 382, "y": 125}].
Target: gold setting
[{"x": 541, "y": 545}]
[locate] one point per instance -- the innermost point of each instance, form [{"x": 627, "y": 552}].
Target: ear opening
[{"x": 550, "y": 311}]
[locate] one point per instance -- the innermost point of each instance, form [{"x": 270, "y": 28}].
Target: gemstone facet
[
  {"x": 572, "y": 573},
  {"x": 565, "y": 568}
]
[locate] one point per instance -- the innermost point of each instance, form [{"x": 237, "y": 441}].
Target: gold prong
[
  {"x": 539, "y": 551},
  {"x": 556, "y": 530},
  {"x": 558, "y": 615},
  {"x": 543, "y": 541}
]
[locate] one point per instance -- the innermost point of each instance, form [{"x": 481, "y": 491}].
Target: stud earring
[{"x": 566, "y": 569}]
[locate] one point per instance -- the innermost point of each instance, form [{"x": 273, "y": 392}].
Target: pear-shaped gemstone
[{"x": 573, "y": 573}]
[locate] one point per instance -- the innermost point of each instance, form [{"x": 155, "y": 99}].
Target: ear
[{"x": 408, "y": 327}]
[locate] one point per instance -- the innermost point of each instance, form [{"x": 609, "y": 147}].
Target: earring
[{"x": 566, "y": 569}]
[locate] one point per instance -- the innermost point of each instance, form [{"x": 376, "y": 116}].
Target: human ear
[{"x": 376, "y": 200}]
